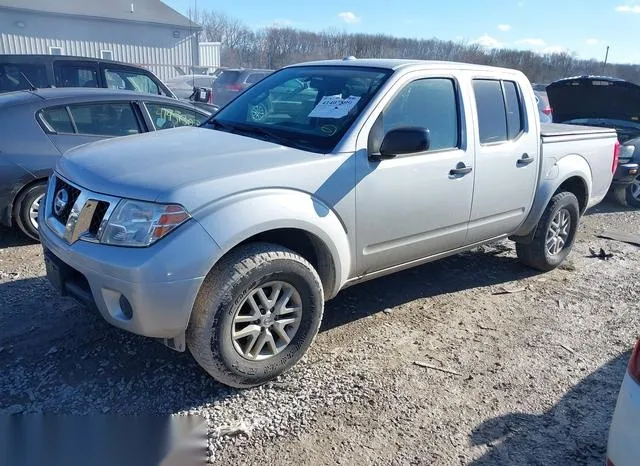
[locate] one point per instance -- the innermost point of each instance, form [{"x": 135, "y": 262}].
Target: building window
[
  {"x": 106, "y": 54},
  {"x": 55, "y": 50}
]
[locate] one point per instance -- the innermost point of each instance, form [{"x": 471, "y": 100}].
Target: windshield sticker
[
  {"x": 334, "y": 107},
  {"x": 329, "y": 130}
]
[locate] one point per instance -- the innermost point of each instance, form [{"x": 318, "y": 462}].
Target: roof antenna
[
  {"x": 132, "y": 8},
  {"x": 32, "y": 88}
]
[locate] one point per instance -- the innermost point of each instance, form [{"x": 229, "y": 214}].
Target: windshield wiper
[{"x": 272, "y": 136}]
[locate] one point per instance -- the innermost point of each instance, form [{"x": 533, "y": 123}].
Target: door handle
[
  {"x": 525, "y": 160},
  {"x": 460, "y": 170}
]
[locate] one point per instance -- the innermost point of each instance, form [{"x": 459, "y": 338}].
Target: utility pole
[{"x": 606, "y": 56}]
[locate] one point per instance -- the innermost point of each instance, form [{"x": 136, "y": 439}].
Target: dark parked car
[
  {"x": 610, "y": 103},
  {"x": 21, "y": 72},
  {"x": 232, "y": 82},
  {"x": 544, "y": 110},
  {"x": 36, "y": 127}
]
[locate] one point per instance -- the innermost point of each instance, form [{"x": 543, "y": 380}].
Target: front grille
[
  {"x": 83, "y": 221},
  {"x": 98, "y": 215},
  {"x": 73, "y": 194}
]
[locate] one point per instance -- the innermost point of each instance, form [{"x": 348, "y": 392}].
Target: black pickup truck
[{"x": 605, "y": 102}]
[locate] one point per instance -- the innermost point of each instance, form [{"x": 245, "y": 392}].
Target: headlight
[
  {"x": 626, "y": 153},
  {"x": 139, "y": 224}
]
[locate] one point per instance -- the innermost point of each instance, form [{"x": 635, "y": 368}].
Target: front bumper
[
  {"x": 625, "y": 174},
  {"x": 623, "y": 448},
  {"x": 148, "y": 291}
]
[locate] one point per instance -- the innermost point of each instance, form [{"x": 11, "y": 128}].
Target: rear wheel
[
  {"x": 256, "y": 315},
  {"x": 554, "y": 236},
  {"x": 26, "y": 209},
  {"x": 633, "y": 193}
]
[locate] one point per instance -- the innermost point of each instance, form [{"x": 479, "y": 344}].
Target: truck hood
[
  {"x": 592, "y": 97},
  {"x": 154, "y": 166}
]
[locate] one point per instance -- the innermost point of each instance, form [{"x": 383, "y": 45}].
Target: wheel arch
[
  {"x": 572, "y": 173},
  {"x": 13, "y": 202},
  {"x": 292, "y": 219}
]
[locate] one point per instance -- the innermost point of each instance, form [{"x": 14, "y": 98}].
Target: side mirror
[
  {"x": 200, "y": 94},
  {"x": 400, "y": 141}
]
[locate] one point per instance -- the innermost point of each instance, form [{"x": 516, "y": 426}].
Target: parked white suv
[{"x": 229, "y": 238}]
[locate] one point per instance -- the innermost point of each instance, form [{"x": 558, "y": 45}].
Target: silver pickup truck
[{"x": 228, "y": 239}]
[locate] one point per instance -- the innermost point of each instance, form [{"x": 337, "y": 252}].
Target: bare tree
[{"x": 274, "y": 47}]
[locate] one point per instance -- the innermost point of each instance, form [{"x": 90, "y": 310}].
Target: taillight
[
  {"x": 634, "y": 363},
  {"x": 616, "y": 157},
  {"x": 547, "y": 111},
  {"x": 234, "y": 87},
  {"x": 210, "y": 101}
]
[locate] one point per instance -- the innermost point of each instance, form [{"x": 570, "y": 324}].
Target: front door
[
  {"x": 507, "y": 159},
  {"x": 413, "y": 206}
]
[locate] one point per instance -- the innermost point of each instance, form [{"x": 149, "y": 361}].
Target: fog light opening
[{"x": 125, "y": 307}]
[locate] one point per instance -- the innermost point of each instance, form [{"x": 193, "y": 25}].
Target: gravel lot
[{"x": 534, "y": 360}]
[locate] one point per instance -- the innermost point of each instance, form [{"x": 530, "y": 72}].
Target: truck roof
[{"x": 395, "y": 64}]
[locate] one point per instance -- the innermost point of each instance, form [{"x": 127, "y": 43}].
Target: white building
[{"x": 143, "y": 32}]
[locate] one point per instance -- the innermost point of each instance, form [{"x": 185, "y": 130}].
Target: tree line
[{"x": 276, "y": 46}]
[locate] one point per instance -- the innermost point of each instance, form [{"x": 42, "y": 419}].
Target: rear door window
[
  {"x": 16, "y": 77},
  {"x": 227, "y": 77},
  {"x": 499, "y": 109},
  {"x": 254, "y": 77},
  {"x": 131, "y": 80},
  {"x": 75, "y": 75},
  {"x": 492, "y": 119},
  {"x": 105, "y": 119}
]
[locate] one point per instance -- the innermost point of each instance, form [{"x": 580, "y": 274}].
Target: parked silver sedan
[{"x": 37, "y": 127}]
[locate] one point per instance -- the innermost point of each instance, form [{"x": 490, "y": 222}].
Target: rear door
[
  {"x": 507, "y": 158},
  {"x": 76, "y": 124}
]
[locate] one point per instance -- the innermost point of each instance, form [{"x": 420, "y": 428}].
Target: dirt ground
[{"x": 531, "y": 363}]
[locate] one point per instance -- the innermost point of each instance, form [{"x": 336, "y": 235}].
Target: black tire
[
  {"x": 22, "y": 209},
  {"x": 536, "y": 254},
  {"x": 620, "y": 195},
  {"x": 632, "y": 201},
  {"x": 225, "y": 290}
]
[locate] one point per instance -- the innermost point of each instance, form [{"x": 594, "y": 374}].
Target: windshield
[{"x": 306, "y": 107}]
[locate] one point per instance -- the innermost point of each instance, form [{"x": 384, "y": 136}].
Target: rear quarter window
[{"x": 56, "y": 120}]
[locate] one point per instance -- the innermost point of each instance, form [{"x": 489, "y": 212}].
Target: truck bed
[{"x": 589, "y": 146}]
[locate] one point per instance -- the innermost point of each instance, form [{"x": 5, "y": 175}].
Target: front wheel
[
  {"x": 554, "y": 236},
  {"x": 256, "y": 315}
]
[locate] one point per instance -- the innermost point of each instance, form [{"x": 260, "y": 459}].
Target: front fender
[
  {"x": 554, "y": 173},
  {"x": 234, "y": 219}
]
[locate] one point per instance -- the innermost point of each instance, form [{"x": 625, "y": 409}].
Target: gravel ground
[{"x": 532, "y": 362}]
